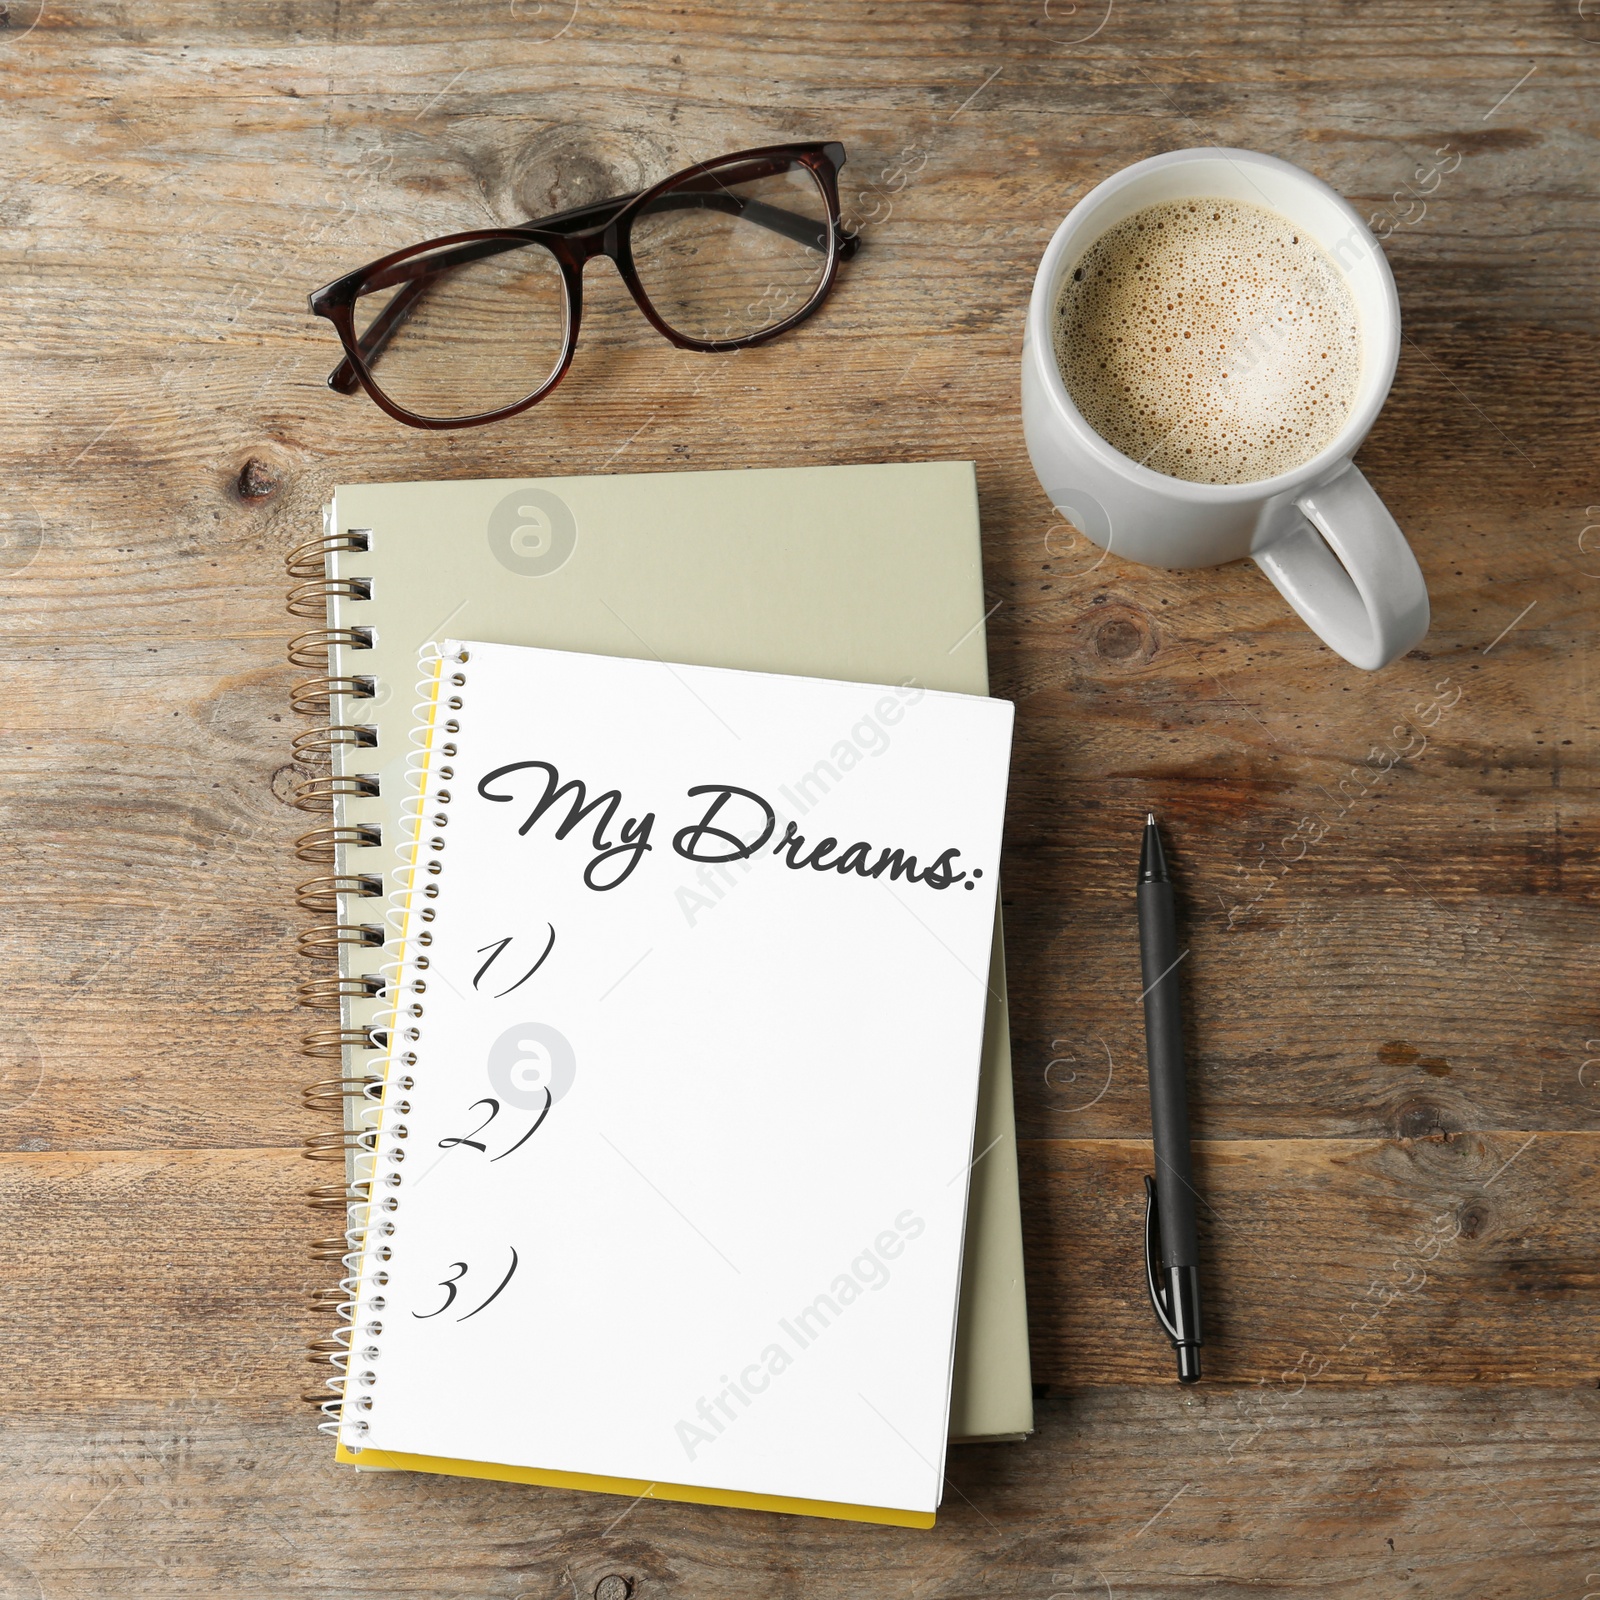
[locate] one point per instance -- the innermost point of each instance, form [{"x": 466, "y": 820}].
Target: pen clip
[{"x": 1152, "y": 1259}]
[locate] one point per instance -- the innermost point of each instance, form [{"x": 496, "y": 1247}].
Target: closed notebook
[
  {"x": 866, "y": 573},
  {"x": 659, "y": 1201}
]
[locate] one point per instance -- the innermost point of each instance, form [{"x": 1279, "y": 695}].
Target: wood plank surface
[
  {"x": 1132, "y": 1493},
  {"x": 1454, "y": 1258},
  {"x": 1388, "y": 879}
]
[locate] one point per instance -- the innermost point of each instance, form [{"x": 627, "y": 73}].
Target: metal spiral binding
[
  {"x": 310, "y": 560},
  {"x": 316, "y": 744},
  {"x": 314, "y": 697},
  {"x": 416, "y": 881},
  {"x": 336, "y": 1146},
  {"x": 315, "y": 591},
  {"x": 315, "y": 649},
  {"x": 331, "y": 1093},
  {"x": 317, "y": 794},
  {"x": 322, "y": 944},
  {"x": 328, "y": 994},
  {"x": 331, "y": 1043},
  {"x": 334, "y": 1197},
  {"x": 322, "y": 894},
  {"x": 311, "y": 599},
  {"x": 321, "y": 846},
  {"x": 356, "y": 1094}
]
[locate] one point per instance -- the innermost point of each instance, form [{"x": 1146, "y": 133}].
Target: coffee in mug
[{"x": 1209, "y": 339}]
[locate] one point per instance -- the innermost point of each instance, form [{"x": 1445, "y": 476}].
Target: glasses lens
[
  {"x": 732, "y": 252},
  {"x": 470, "y": 328}
]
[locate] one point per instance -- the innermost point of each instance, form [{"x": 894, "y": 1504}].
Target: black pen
[{"x": 1171, "y": 1252}]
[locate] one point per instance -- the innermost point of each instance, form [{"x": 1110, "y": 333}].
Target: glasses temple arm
[
  {"x": 343, "y": 379},
  {"x": 803, "y": 230},
  {"x": 414, "y": 279}
]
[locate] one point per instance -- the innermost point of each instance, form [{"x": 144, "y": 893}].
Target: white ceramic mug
[{"x": 1319, "y": 532}]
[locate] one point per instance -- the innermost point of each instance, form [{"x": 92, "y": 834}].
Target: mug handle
[{"x": 1350, "y": 574}]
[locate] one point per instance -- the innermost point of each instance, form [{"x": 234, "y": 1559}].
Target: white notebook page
[{"x": 683, "y": 1142}]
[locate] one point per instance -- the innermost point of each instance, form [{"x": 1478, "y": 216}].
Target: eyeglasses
[{"x": 477, "y": 326}]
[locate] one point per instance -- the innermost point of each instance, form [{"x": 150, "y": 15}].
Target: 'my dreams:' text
[{"x": 734, "y": 824}]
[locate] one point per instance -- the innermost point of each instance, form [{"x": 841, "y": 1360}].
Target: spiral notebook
[
  {"x": 661, "y": 1200},
  {"x": 867, "y": 573}
]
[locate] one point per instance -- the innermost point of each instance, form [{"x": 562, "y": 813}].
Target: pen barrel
[{"x": 1169, "y": 1102}]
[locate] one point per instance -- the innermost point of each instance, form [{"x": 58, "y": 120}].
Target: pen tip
[{"x": 1152, "y": 858}]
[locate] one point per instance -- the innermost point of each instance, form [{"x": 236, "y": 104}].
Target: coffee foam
[{"x": 1210, "y": 340}]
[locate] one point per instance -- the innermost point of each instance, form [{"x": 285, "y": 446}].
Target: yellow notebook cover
[{"x": 396, "y": 1461}]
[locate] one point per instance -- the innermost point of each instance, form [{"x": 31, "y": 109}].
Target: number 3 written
[{"x": 458, "y": 1270}]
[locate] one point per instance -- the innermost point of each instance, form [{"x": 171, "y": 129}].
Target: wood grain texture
[
  {"x": 1140, "y": 1494},
  {"x": 1459, "y": 1258},
  {"x": 1455, "y": 1258},
  {"x": 1388, "y": 880}
]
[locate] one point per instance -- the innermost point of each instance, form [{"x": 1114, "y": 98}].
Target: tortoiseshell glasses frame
[{"x": 699, "y": 261}]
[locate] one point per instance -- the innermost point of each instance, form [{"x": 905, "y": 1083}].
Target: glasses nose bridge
[{"x": 603, "y": 239}]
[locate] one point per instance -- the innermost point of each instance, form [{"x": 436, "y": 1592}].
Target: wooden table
[{"x": 1388, "y": 878}]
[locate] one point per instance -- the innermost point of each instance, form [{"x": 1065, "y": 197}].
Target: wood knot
[
  {"x": 568, "y": 165},
  {"x": 613, "y": 1587},
  {"x": 285, "y": 784},
  {"x": 1473, "y": 1220},
  {"x": 1119, "y": 634},
  {"x": 256, "y": 480},
  {"x": 1422, "y": 1119},
  {"x": 1118, "y": 639}
]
